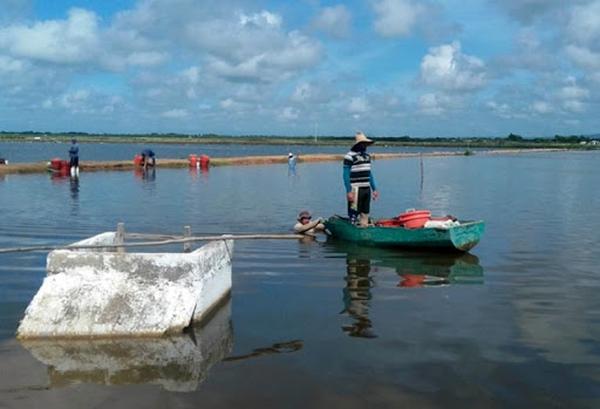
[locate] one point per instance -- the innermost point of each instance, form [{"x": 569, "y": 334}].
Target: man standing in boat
[{"x": 359, "y": 181}]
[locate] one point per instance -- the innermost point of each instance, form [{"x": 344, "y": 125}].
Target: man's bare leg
[{"x": 364, "y": 220}]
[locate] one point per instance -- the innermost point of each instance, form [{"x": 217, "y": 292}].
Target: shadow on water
[
  {"x": 177, "y": 363},
  {"x": 414, "y": 269},
  {"x": 277, "y": 348}
]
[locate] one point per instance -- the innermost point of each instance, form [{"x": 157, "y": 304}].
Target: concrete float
[{"x": 104, "y": 293}]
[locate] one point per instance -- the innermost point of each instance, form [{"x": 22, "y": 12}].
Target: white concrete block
[{"x": 108, "y": 294}]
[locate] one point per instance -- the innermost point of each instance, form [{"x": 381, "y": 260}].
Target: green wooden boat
[{"x": 462, "y": 238}]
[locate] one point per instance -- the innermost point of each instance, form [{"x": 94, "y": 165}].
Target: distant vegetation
[{"x": 510, "y": 141}]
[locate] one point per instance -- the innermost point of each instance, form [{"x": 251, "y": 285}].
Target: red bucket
[
  {"x": 388, "y": 223},
  {"x": 55, "y": 163},
  {"x": 415, "y": 219},
  {"x": 193, "y": 160},
  {"x": 204, "y": 161},
  {"x": 137, "y": 160}
]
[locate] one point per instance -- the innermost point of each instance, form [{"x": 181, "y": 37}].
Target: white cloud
[
  {"x": 74, "y": 40},
  {"x": 434, "y": 104},
  {"x": 75, "y": 101},
  {"x": 311, "y": 93},
  {"x": 175, "y": 114},
  {"x": 396, "y": 17},
  {"x": 335, "y": 21},
  {"x": 262, "y": 19},
  {"x": 227, "y": 103},
  {"x": 9, "y": 65},
  {"x": 584, "y": 57},
  {"x": 191, "y": 74},
  {"x": 358, "y": 105},
  {"x": 303, "y": 92},
  {"x": 145, "y": 58},
  {"x": 572, "y": 96},
  {"x": 583, "y": 31},
  {"x": 541, "y": 107},
  {"x": 289, "y": 114},
  {"x": 503, "y": 110},
  {"x": 240, "y": 51},
  {"x": 584, "y": 23},
  {"x": 447, "y": 68},
  {"x": 573, "y": 91},
  {"x": 573, "y": 105}
]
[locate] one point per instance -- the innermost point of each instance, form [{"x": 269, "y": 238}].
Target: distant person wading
[
  {"x": 74, "y": 158},
  {"x": 359, "y": 181},
  {"x": 148, "y": 158}
]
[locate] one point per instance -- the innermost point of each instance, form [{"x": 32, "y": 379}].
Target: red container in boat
[
  {"x": 137, "y": 160},
  {"x": 388, "y": 223},
  {"x": 204, "y": 161},
  {"x": 414, "y": 219},
  {"x": 55, "y": 163},
  {"x": 193, "y": 160}
]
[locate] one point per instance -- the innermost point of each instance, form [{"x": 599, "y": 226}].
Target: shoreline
[{"x": 95, "y": 166}]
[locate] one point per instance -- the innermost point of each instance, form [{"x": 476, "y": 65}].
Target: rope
[{"x": 157, "y": 243}]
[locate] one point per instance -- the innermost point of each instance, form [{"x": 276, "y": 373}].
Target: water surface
[
  {"x": 323, "y": 324},
  {"x": 44, "y": 151}
]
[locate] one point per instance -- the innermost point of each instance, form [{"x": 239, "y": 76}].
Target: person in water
[
  {"x": 148, "y": 158},
  {"x": 74, "y": 158},
  {"x": 292, "y": 160},
  {"x": 359, "y": 181},
  {"x": 306, "y": 225}
]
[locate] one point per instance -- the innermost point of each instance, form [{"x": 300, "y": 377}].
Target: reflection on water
[
  {"x": 147, "y": 175},
  {"x": 357, "y": 295},
  {"x": 177, "y": 363},
  {"x": 201, "y": 172},
  {"x": 415, "y": 269},
  {"x": 415, "y": 266},
  {"x": 74, "y": 189}
]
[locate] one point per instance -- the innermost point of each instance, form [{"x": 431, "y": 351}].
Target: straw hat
[
  {"x": 304, "y": 214},
  {"x": 361, "y": 138}
]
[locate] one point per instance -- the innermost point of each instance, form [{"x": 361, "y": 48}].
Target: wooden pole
[
  {"x": 120, "y": 237},
  {"x": 187, "y": 233},
  {"x": 160, "y": 243}
]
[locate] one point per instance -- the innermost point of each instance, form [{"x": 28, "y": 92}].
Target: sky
[{"x": 435, "y": 68}]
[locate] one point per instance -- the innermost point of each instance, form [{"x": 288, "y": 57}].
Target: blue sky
[{"x": 387, "y": 67}]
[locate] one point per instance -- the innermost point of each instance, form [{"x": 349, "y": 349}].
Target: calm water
[
  {"x": 321, "y": 324},
  {"x": 44, "y": 151}
]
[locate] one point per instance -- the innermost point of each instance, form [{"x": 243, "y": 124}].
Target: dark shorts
[
  {"x": 364, "y": 202},
  {"x": 74, "y": 161}
]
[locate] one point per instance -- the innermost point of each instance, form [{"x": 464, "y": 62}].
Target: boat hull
[{"x": 460, "y": 238}]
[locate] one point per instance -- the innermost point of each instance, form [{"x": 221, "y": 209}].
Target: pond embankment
[{"x": 87, "y": 166}]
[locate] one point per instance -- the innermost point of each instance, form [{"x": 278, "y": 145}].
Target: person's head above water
[{"x": 304, "y": 216}]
